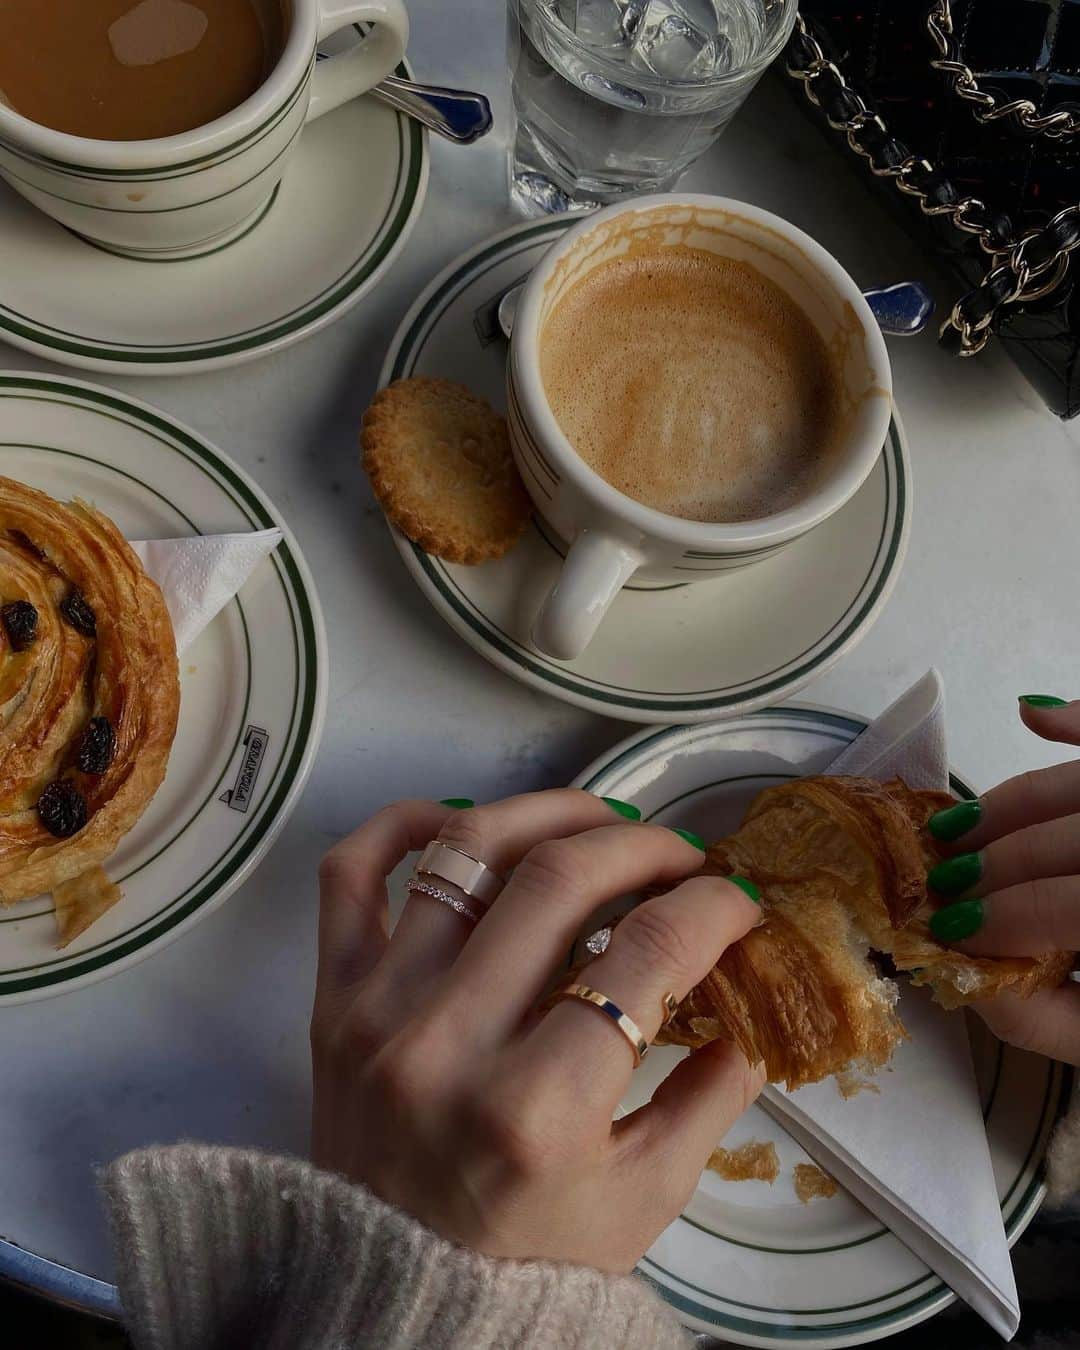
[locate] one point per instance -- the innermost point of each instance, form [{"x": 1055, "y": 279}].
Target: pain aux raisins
[
  {"x": 20, "y": 620},
  {"x": 62, "y": 808},
  {"x": 97, "y": 747},
  {"x": 79, "y": 614}
]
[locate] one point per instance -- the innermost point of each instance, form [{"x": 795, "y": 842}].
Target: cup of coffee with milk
[
  {"x": 693, "y": 383},
  {"x": 161, "y": 128}
]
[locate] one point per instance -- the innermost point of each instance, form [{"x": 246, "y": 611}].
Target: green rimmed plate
[
  {"x": 253, "y": 686},
  {"x": 748, "y": 1262},
  {"x": 681, "y": 653},
  {"x": 349, "y": 199}
]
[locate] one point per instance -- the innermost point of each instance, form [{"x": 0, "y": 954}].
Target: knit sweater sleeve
[{"x": 220, "y": 1247}]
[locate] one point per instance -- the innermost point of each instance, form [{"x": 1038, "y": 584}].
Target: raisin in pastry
[{"x": 89, "y": 699}]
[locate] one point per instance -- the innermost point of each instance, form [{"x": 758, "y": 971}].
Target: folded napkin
[
  {"x": 876, "y": 1142},
  {"x": 907, "y": 741},
  {"x": 198, "y": 577}
]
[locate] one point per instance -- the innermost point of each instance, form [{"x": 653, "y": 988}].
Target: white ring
[{"x": 472, "y": 877}]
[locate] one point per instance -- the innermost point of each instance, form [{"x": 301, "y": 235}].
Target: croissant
[
  {"x": 89, "y": 700},
  {"x": 841, "y": 864}
]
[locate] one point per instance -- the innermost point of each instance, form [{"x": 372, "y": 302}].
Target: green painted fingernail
[
  {"x": 956, "y": 922},
  {"x": 623, "y": 808},
  {"x": 956, "y": 875},
  {"x": 691, "y": 838},
  {"x": 955, "y": 820},
  {"x": 1043, "y": 700},
  {"x": 747, "y": 886},
  {"x": 458, "y": 803}
]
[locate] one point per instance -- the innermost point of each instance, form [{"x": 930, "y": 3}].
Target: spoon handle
[
  {"x": 457, "y": 114},
  {"x": 901, "y": 310}
]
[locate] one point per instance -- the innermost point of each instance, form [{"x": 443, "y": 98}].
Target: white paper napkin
[
  {"x": 915, "y": 1151},
  {"x": 198, "y": 577},
  {"x": 907, "y": 740}
]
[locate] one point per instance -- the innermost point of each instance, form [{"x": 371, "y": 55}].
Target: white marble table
[{"x": 208, "y": 1039}]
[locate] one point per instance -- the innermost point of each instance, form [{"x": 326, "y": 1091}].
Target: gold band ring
[
  {"x": 626, "y": 1025},
  {"x": 671, "y": 1007}
]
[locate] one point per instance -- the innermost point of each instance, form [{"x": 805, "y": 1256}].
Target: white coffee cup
[
  {"x": 612, "y": 537},
  {"x": 182, "y": 196}
]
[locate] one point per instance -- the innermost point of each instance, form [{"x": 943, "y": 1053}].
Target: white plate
[
  {"x": 682, "y": 653},
  {"x": 260, "y": 664},
  {"x": 348, "y": 201},
  {"x": 845, "y": 1278}
]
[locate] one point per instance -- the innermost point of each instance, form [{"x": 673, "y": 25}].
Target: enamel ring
[{"x": 472, "y": 877}]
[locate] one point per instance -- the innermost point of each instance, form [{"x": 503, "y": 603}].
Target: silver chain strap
[
  {"x": 986, "y": 108},
  {"x": 1014, "y": 277}
]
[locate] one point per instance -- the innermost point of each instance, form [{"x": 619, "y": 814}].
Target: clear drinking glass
[{"x": 616, "y": 97}]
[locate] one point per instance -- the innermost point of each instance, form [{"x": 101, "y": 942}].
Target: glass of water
[{"x": 617, "y": 97}]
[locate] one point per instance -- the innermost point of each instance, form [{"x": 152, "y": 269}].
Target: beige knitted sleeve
[
  {"x": 220, "y": 1247},
  {"x": 1063, "y": 1159}
]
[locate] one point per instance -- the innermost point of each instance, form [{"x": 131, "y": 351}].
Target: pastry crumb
[
  {"x": 849, "y": 1083},
  {"x": 755, "y": 1160},
  {"x": 811, "y": 1183}
]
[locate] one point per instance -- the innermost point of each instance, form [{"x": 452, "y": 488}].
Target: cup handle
[
  {"x": 340, "y": 78},
  {"x": 595, "y": 571}
]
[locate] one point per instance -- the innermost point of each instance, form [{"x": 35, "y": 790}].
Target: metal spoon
[
  {"x": 901, "y": 310},
  {"x": 457, "y": 114}
]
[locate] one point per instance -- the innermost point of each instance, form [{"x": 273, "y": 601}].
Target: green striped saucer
[
  {"x": 349, "y": 200},
  {"x": 675, "y": 654},
  {"x": 253, "y": 685},
  {"x": 747, "y": 1262}
]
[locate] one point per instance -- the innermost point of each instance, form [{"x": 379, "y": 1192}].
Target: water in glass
[{"x": 615, "y": 97}]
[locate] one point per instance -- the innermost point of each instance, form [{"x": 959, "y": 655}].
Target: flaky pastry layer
[
  {"x": 842, "y": 864},
  {"x": 118, "y": 666}
]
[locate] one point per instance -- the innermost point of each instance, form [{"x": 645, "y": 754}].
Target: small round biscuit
[{"x": 439, "y": 461}]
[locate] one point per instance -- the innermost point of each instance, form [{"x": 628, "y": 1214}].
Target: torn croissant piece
[
  {"x": 89, "y": 699},
  {"x": 841, "y": 864}
]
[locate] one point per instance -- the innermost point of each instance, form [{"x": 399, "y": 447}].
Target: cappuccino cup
[
  {"x": 693, "y": 384},
  {"x": 183, "y": 195}
]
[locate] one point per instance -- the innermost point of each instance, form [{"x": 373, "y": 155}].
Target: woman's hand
[
  {"x": 1011, "y": 886},
  {"x": 438, "y": 1084}
]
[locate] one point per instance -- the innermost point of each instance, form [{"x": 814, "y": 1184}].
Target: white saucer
[
  {"x": 683, "y": 653},
  {"x": 348, "y": 201},
  {"x": 260, "y": 667},
  {"x": 747, "y": 1261}
]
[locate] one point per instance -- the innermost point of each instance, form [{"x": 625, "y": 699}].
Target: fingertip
[
  {"x": 727, "y": 1059},
  {"x": 747, "y": 896},
  {"x": 758, "y": 1078},
  {"x": 748, "y": 888},
  {"x": 627, "y": 810},
  {"x": 1051, "y": 717},
  {"x": 959, "y": 921},
  {"x": 734, "y": 908},
  {"x": 689, "y": 837}
]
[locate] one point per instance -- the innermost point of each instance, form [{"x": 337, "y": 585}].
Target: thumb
[
  {"x": 690, "y": 1112},
  {"x": 1048, "y": 1022},
  {"x": 1052, "y": 718}
]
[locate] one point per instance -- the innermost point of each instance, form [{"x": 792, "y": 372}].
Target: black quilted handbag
[{"x": 966, "y": 113}]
